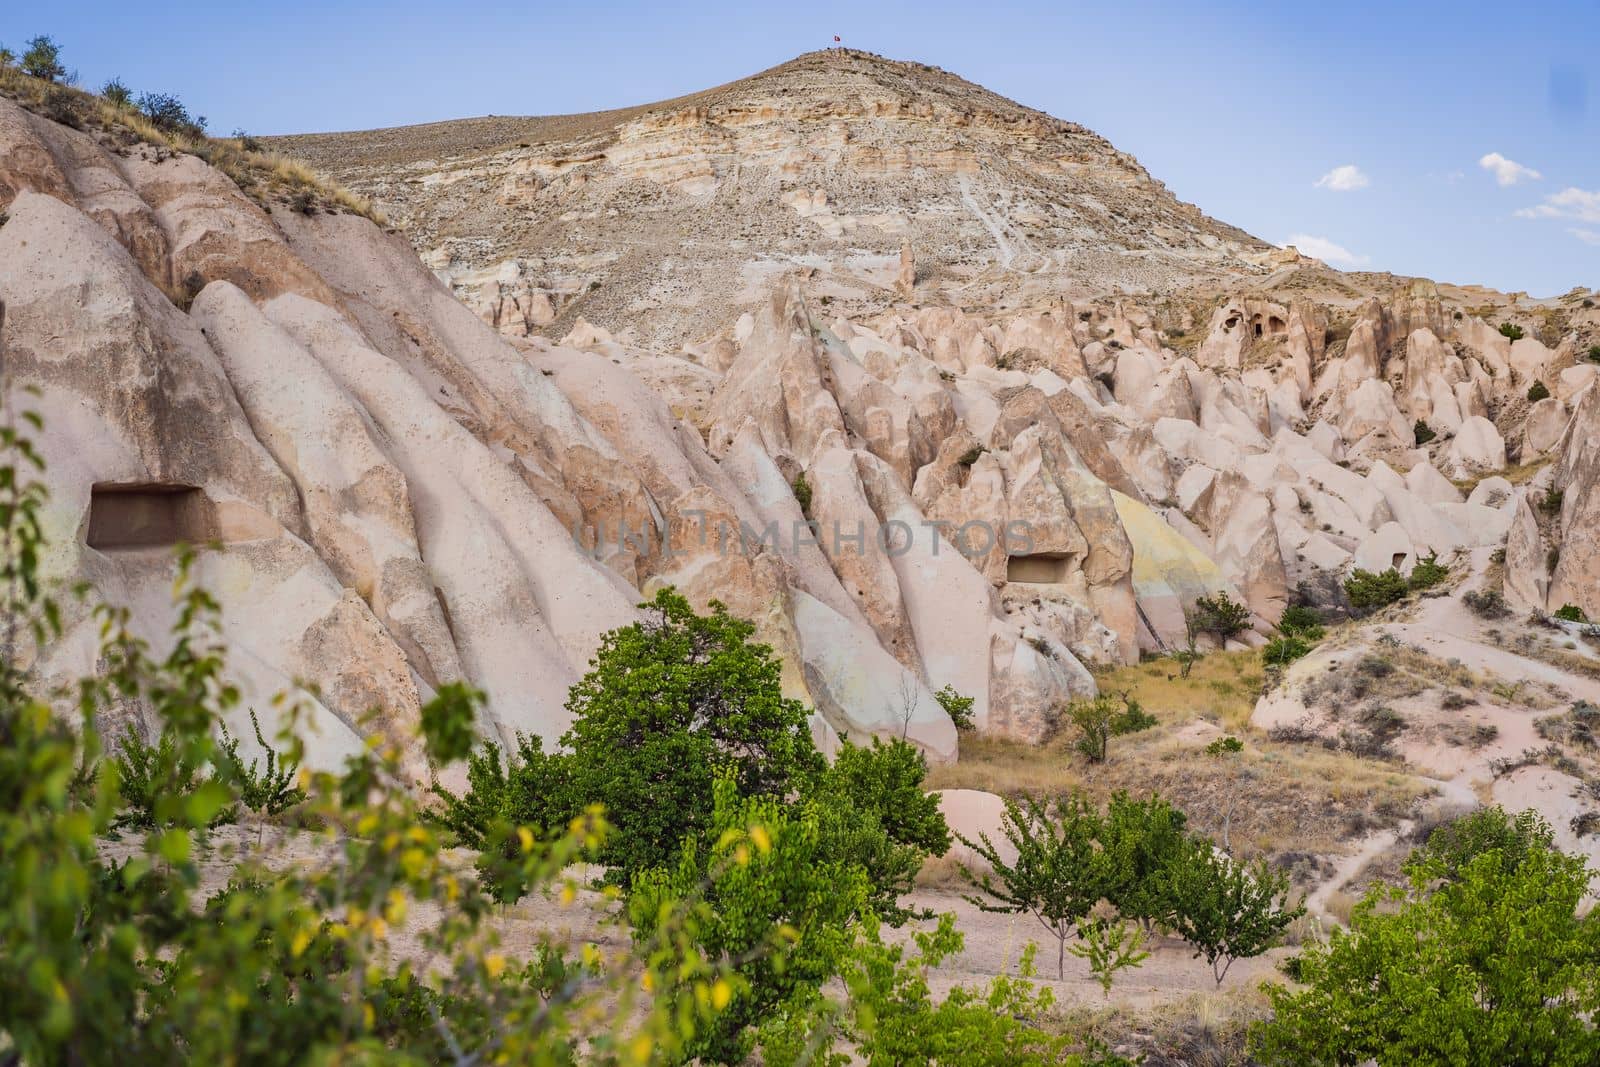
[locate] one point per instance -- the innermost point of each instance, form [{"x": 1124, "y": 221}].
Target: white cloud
[
  {"x": 1324, "y": 249},
  {"x": 1569, "y": 203},
  {"x": 1589, "y": 237},
  {"x": 1508, "y": 171},
  {"x": 1343, "y": 179}
]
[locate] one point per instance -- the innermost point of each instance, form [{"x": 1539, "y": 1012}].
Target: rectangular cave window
[
  {"x": 1044, "y": 568},
  {"x": 148, "y": 515}
]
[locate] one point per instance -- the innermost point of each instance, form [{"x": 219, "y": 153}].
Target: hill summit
[{"x": 665, "y": 218}]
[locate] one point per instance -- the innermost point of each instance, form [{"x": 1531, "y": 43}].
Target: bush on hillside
[
  {"x": 1368, "y": 591},
  {"x": 1427, "y": 573},
  {"x": 168, "y": 114},
  {"x": 1538, "y": 391},
  {"x": 43, "y": 60},
  {"x": 1221, "y": 616},
  {"x": 1511, "y": 331},
  {"x": 1423, "y": 432},
  {"x": 1571, "y": 613}
]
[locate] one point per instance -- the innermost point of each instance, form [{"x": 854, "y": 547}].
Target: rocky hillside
[
  {"x": 903, "y": 488},
  {"x": 672, "y": 218}
]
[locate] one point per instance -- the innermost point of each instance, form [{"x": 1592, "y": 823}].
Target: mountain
[{"x": 667, "y": 220}]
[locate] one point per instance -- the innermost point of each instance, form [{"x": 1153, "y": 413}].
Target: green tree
[
  {"x": 773, "y": 905},
  {"x": 1060, "y": 871},
  {"x": 669, "y": 704},
  {"x": 874, "y": 812},
  {"x": 1221, "y": 616},
  {"x": 43, "y": 59},
  {"x": 1142, "y": 839},
  {"x": 1452, "y": 846},
  {"x": 1227, "y": 910},
  {"x": 1487, "y": 964},
  {"x": 1511, "y": 331}
]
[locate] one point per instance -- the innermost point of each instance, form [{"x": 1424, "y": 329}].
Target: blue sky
[{"x": 1239, "y": 108}]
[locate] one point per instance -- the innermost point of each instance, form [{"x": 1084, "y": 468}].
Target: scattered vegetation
[
  {"x": 1538, "y": 391},
  {"x": 1102, "y": 718},
  {"x": 802, "y": 493},
  {"x": 41, "y": 83}
]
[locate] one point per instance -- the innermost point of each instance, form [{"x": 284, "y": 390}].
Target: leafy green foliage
[
  {"x": 1481, "y": 959},
  {"x": 958, "y": 707},
  {"x": 1571, "y": 613},
  {"x": 1427, "y": 573},
  {"x": 1284, "y": 650},
  {"x": 1221, "y": 616},
  {"x": 43, "y": 60},
  {"x": 1225, "y": 909},
  {"x": 1594, "y": 354},
  {"x": 1423, "y": 432},
  {"x": 802, "y": 493},
  {"x": 1303, "y": 622},
  {"x": 774, "y": 904},
  {"x": 1225, "y": 745},
  {"x": 1110, "y": 946},
  {"x": 1368, "y": 591},
  {"x": 874, "y": 813},
  {"x": 1144, "y": 838},
  {"x": 1538, "y": 391},
  {"x": 1511, "y": 331},
  {"x": 1451, "y": 847},
  {"x": 669, "y": 704}
]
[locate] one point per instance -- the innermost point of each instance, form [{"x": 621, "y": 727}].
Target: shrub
[
  {"x": 1493, "y": 965},
  {"x": 1488, "y": 604},
  {"x": 1427, "y": 573},
  {"x": 1552, "y": 500},
  {"x": 1284, "y": 650},
  {"x": 970, "y": 456},
  {"x": 168, "y": 114},
  {"x": 958, "y": 707},
  {"x": 272, "y": 790},
  {"x": 1511, "y": 331},
  {"x": 115, "y": 92},
  {"x": 1220, "y": 615},
  {"x": 1109, "y": 946},
  {"x": 802, "y": 493},
  {"x": 1594, "y": 353},
  {"x": 43, "y": 60},
  {"x": 1225, "y": 909},
  {"x": 1571, "y": 613},
  {"x": 7, "y": 57},
  {"x": 1452, "y": 846},
  {"x": 1538, "y": 391},
  {"x": 1368, "y": 591},
  {"x": 1423, "y": 432},
  {"x": 1303, "y": 622},
  {"x": 1100, "y": 719}
]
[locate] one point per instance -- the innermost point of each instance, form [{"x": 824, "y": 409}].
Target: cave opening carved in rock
[
  {"x": 149, "y": 515},
  {"x": 1042, "y": 568}
]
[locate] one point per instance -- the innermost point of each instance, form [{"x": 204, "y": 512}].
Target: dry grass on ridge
[
  {"x": 264, "y": 176},
  {"x": 1289, "y": 802}
]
